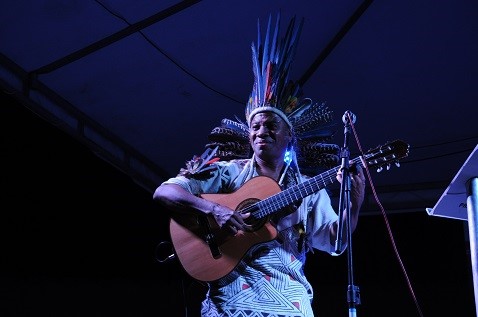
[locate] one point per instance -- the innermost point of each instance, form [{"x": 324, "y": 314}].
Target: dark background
[{"x": 80, "y": 238}]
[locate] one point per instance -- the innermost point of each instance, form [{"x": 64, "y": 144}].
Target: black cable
[{"x": 171, "y": 59}]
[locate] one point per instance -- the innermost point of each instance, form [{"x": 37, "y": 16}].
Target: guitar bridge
[
  {"x": 210, "y": 238},
  {"x": 211, "y": 242}
]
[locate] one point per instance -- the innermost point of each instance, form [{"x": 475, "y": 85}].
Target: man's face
[{"x": 269, "y": 136}]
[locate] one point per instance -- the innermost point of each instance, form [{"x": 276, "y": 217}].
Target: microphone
[{"x": 348, "y": 115}]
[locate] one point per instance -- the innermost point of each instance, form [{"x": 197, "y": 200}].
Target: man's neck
[{"x": 273, "y": 170}]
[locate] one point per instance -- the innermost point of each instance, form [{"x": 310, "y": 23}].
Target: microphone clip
[{"x": 349, "y": 118}]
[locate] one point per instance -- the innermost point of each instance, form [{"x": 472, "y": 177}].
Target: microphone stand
[{"x": 353, "y": 292}]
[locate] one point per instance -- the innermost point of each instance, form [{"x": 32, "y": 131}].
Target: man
[{"x": 268, "y": 279}]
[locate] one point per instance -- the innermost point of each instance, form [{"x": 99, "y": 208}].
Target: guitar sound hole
[{"x": 254, "y": 222}]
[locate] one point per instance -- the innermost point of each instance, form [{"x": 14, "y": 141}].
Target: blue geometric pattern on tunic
[
  {"x": 282, "y": 289},
  {"x": 268, "y": 300}
]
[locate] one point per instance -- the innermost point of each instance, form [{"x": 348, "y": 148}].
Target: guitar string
[
  {"x": 310, "y": 186},
  {"x": 275, "y": 202}
]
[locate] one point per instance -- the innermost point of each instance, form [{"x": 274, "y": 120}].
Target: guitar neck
[{"x": 295, "y": 193}]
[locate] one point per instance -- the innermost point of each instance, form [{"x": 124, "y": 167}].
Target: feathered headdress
[
  {"x": 272, "y": 90},
  {"x": 310, "y": 122}
]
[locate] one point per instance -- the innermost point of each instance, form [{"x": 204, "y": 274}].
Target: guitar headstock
[{"x": 385, "y": 155}]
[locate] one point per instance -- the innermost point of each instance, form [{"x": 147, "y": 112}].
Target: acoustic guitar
[{"x": 208, "y": 252}]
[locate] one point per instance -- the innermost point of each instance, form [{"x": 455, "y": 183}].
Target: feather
[
  {"x": 235, "y": 125},
  {"x": 265, "y": 53},
  {"x": 273, "y": 55},
  {"x": 200, "y": 165}
]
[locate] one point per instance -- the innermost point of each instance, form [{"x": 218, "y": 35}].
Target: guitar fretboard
[{"x": 292, "y": 194}]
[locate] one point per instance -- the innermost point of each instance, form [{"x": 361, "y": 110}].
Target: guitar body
[{"x": 210, "y": 261}]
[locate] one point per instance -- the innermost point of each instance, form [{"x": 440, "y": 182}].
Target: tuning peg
[
  {"x": 397, "y": 164},
  {"x": 388, "y": 167},
  {"x": 379, "y": 169}
]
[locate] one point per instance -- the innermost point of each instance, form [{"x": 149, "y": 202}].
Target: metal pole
[{"x": 472, "y": 207}]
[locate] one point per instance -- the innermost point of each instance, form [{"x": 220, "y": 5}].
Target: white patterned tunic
[{"x": 269, "y": 280}]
